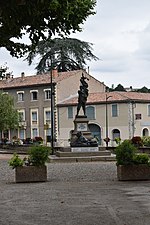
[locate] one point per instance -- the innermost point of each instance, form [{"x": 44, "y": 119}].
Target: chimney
[
  {"x": 22, "y": 75},
  {"x": 55, "y": 73},
  {"x": 7, "y": 75}
]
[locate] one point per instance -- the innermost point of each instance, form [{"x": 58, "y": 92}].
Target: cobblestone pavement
[{"x": 75, "y": 194}]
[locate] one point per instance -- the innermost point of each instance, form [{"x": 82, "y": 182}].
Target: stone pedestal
[
  {"x": 87, "y": 142},
  {"x": 84, "y": 149},
  {"x": 81, "y": 124}
]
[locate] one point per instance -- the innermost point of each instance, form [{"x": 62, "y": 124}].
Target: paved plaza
[{"x": 76, "y": 194}]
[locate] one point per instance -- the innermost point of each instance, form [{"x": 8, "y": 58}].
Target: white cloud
[{"x": 120, "y": 32}]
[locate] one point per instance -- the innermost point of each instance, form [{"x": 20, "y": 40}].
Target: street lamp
[
  {"x": 52, "y": 109},
  {"x": 52, "y": 103},
  {"x": 107, "y": 138}
]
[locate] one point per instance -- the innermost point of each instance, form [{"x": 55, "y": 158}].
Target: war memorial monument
[{"x": 81, "y": 137}]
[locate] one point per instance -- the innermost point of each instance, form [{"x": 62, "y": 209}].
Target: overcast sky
[{"x": 120, "y": 32}]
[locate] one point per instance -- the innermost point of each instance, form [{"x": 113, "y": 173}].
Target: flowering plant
[
  {"x": 137, "y": 141},
  {"x": 38, "y": 140}
]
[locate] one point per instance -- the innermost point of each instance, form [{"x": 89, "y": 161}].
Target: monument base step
[
  {"x": 56, "y": 159},
  {"x": 83, "y": 154},
  {"x": 68, "y": 149}
]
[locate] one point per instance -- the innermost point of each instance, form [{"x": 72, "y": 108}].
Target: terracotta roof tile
[
  {"x": 34, "y": 80},
  {"x": 25, "y": 81},
  {"x": 64, "y": 75},
  {"x": 111, "y": 97}
]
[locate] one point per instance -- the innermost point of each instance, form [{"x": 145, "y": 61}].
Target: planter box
[
  {"x": 133, "y": 172},
  {"x": 30, "y": 174}
]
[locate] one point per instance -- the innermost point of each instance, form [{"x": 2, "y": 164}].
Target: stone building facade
[{"x": 127, "y": 115}]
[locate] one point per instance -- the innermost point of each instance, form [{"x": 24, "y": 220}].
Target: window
[
  {"x": 49, "y": 131},
  {"x": 48, "y": 135},
  {"x": 90, "y": 112},
  {"x": 21, "y": 116},
  {"x": 138, "y": 116},
  {"x": 34, "y": 132},
  {"x": 5, "y": 93},
  {"x": 70, "y": 112},
  {"x": 47, "y": 117},
  {"x": 148, "y": 110},
  {"x": 20, "y": 96},
  {"x": 21, "y": 134},
  {"x": 114, "y": 110},
  {"x": 34, "y": 117},
  {"x": 47, "y": 94},
  {"x": 34, "y": 95},
  {"x": 145, "y": 132},
  {"x": 116, "y": 134},
  {"x": 22, "y": 122}
]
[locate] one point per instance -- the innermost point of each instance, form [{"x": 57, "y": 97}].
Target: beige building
[
  {"x": 67, "y": 84},
  {"x": 114, "y": 114}
]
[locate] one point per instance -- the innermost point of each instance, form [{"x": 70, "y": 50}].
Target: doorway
[{"x": 96, "y": 132}]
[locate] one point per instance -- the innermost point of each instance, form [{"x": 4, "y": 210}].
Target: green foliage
[
  {"x": 125, "y": 153},
  {"x": 40, "y": 19},
  {"x": 143, "y": 90},
  {"x": 146, "y": 141},
  {"x": 66, "y": 53},
  {"x": 120, "y": 88},
  {"x": 38, "y": 155},
  {"x": 118, "y": 140},
  {"x": 15, "y": 161},
  {"x": 3, "y": 72},
  {"x": 8, "y": 113},
  {"x": 141, "y": 159}
]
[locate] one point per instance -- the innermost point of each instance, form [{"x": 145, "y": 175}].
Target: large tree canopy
[
  {"x": 66, "y": 54},
  {"x": 40, "y": 19},
  {"x": 144, "y": 90}
]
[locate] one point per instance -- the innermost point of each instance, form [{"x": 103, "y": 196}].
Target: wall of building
[
  {"x": 124, "y": 122},
  {"x": 144, "y": 122},
  {"x": 69, "y": 87},
  {"x": 28, "y": 105}
]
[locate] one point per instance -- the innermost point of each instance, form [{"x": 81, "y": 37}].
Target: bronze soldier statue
[{"x": 82, "y": 95}]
